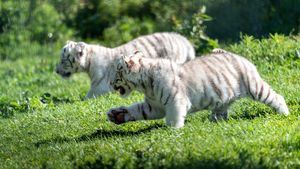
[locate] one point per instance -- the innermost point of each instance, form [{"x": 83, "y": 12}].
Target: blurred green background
[{"x": 33, "y": 24}]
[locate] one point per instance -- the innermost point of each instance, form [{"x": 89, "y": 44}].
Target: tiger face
[
  {"x": 121, "y": 85},
  {"x": 127, "y": 70},
  {"x": 73, "y": 58}
]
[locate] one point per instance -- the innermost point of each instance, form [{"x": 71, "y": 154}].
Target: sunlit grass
[{"x": 45, "y": 123}]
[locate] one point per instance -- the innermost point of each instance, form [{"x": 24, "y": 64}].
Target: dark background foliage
[
  {"x": 113, "y": 22},
  {"x": 254, "y": 17}
]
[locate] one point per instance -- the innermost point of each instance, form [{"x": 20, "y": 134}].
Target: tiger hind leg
[{"x": 220, "y": 113}]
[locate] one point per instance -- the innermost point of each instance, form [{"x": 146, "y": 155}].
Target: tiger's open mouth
[{"x": 120, "y": 89}]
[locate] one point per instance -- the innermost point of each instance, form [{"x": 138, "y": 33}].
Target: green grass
[{"x": 44, "y": 122}]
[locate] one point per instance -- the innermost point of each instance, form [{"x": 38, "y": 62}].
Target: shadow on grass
[
  {"x": 99, "y": 134},
  {"x": 244, "y": 160},
  {"x": 249, "y": 115},
  {"x": 48, "y": 98},
  {"x": 292, "y": 144},
  {"x": 8, "y": 108},
  {"x": 215, "y": 164}
]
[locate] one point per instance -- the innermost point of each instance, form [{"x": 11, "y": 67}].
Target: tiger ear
[
  {"x": 71, "y": 43},
  {"x": 129, "y": 62},
  {"x": 132, "y": 63},
  {"x": 80, "y": 46},
  {"x": 124, "y": 57}
]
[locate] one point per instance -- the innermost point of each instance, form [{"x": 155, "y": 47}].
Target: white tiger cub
[
  {"x": 171, "y": 90},
  {"x": 97, "y": 60}
]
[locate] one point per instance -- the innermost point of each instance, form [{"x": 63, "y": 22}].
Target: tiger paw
[{"x": 119, "y": 115}]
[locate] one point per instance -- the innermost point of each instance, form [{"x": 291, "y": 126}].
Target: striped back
[{"x": 160, "y": 45}]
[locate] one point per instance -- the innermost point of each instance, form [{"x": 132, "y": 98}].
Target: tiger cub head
[
  {"x": 127, "y": 70},
  {"x": 73, "y": 58}
]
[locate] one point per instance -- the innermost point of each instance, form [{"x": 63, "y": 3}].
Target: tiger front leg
[
  {"x": 176, "y": 113},
  {"x": 119, "y": 115},
  {"x": 96, "y": 91},
  {"x": 90, "y": 94},
  {"x": 138, "y": 111}
]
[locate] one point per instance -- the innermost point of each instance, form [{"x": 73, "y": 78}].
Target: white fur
[
  {"x": 97, "y": 61},
  {"x": 171, "y": 90}
]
